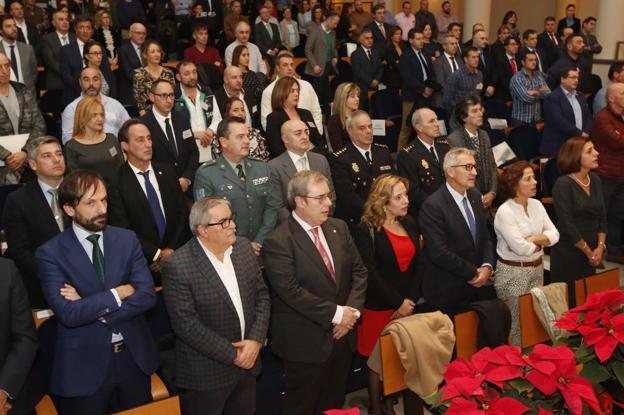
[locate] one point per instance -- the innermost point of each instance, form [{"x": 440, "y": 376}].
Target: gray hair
[
  {"x": 298, "y": 185},
  {"x": 416, "y": 117},
  {"x": 447, "y": 38},
  {"x": 354, "y": 115},
  {"x": 241, "y": 24},
  {"x": 32, "y": 147},
  {"x": 200, "y": 212},
  {"x": 453, "y": 155}
]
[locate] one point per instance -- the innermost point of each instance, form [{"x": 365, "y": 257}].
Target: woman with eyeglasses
[
  {"x": 469, "y": 114},
  {"x": 152, "y": 54},
  {"x": 387, "y": 239},
  {"x": 523, "y": 230},
  {"x": 93, "y": 54}
]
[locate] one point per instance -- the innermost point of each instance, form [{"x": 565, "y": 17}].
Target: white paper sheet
[{"x": 379, "y": 128}]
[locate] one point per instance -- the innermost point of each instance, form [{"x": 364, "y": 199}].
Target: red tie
[
  {"x": 323, "y": 252},
  {"x": 514, "y": 68},
  {"x": 553, "y": 39}
]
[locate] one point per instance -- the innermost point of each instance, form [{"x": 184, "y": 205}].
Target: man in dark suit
[
  {"x": 548, "y": 40},
  {"x": 379, "y": 29},
  {"x": 26, "y": 32},
  {"x": 421, "y": 161},
  {"x": 72, "y": 59},
  {"x": 22, "y": 56},
  {"x": 497, "y": 48},
  {"x": 233, "y": 87},
  {"x": 486, "y": 63},
  {"x": 19, "y": 392},
  {"x": 459, "y": 254},
  {"x": 50, "y": 49},
  {"x": 97, "y": 282},
  {"x": 592, "y": 46},
  {"x": 172, "y": 137},
  {"x": 129, "y": 57},
  {"x": 155, "y": 211},
  {"x": 32, "y": 214},
  {"x": 506, "y": 65},
  {"x": 219, "y": 333},
  {"x": 367, "y": 66},
  {"x": 566, "y": 113},
  {"x": 355, "y": 167},
  {"x": 318, "y": 283},
  {"x": 573, "y": 56},
  {"x": 296, "y": 158},
  {"x": 267, "y": 36},
  {"x": 417, "y": 76},
  {"x": 449, "y": 61},
  {"x": 529, "y": 38}
]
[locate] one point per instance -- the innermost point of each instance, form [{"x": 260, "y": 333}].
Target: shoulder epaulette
[
  {"x": 209, "y": 163},
  {"x": 381, "y": 145},
  {"x": 441, "y": 140},
  {"x": 339, "y": 152},
  {"x": 409, "y": 148}
]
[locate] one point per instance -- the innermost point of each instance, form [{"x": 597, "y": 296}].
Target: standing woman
[
  {"x": 432, "y": 48},
  {"x": 523, "y": 229},
  {"x": 93, "y": 56},
  {"x": 253, "y": 82},
  {"x": 394, "y": 50},
  {"x": 581, "y": 215},
  {"x": 152, "y": 54},
  {"x": 511, "y": 21},
  {"x": 346, "y": 102},
  {"x": 317, "y": 19},
  {"x": 387, "y": 239},
  {"x": 107, "y": 34},
  {"x": 289, "y": 30}
]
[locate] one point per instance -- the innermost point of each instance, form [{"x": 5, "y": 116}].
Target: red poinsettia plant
[{"x": 504, "y": 381}]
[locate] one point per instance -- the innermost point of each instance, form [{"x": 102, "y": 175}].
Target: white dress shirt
[
  {"x": 451, "y": 60},
  {"x": 60, "y": 38},
  {"x": 363, "y": 151},
  {"x": 24, "y": 29},
  {"x": 301, "y": 162},
  {"x": 256, "y": 62},
  {"x": 226, "y": 273},
  {"x": 429, "y": 147},
  {"x": 160, "y": 119},
  {"x": 81, "y": 50},
  {"x": 7, "y": 52}
]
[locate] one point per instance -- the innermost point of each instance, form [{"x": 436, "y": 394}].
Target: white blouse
[{"x": 513, "y": 225}]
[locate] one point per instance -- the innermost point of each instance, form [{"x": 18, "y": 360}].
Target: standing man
[
  {"x": 22, "y": 56},
  {"x": 50, "y": 50},
  {"x": 96, "y": 280},
  {"x": 26, "y": 32},
  {"x": 367, "y": 66},
  {"x": 529, "y": 38},
  {"x": 146, "y": 198},
  {"x": 528, "y": 89},
  {"x": 486, "y": 64},
  {"x": 406, "y": 19},
  {"x": 296, "y": 158},
  {"x": 32, "y": 215},
  {"x": 424, "y": 16},
  {"x": 444, "y": 20},
  {"x": 256, "y": 61},
  {"x": 459, "y": 254},
  {"x": 506, "y": 66},
  {"x": 356, "y": 166},
  {"x": 232, "y": 19},
  {"x": 318, "y": 282},
  {"x": 129, "y": 57},
  {"x": 573, "y": 56},
  {"x": 242, "y": 180},
  {"x": 388, "y": 16},
  {"x": 448, "y": 63},
  {"x": 464, "y": 82},
  {"x": 201, "y": 53},
  {"x": 616, "y": 75},
  {"x": 421, "y": 161},
  {"x": 548, "y": 40},
  {"x": 359, "y": 18},
  {"x": 592, "y": 47},
  {"x": 220, "y": 333},
  {"x": 267, "y": 36},
  {"x": 380, "y": 30}
]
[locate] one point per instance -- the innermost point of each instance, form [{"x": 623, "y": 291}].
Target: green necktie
[
  {"x": 269, "y": 29},
  {"x": 98, "y": 257}
]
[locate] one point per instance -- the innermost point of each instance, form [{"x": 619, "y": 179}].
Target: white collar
[
  {"x": 296, "y": 157},
  {"x": 427, "y": 146},
  {"x": 159, "y": 117},
  {"x": 83, "y": 234},
  {"x": 363, "y": 151},
  {"x": 137, "y": 171},
  {"x": 456, "y": 195},
  {"x": 305, "y": 225}
]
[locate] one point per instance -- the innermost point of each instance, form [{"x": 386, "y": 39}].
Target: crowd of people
[{"x": 251, "y": 193}]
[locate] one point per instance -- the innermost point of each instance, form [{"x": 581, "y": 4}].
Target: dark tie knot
[{"x": 93, "y": 238}]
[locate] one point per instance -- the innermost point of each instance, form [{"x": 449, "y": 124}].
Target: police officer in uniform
[
  {"x": 421, "y": 161},
  {"x": 355, "y": 167},
  {"x": 242, "y": 180}
]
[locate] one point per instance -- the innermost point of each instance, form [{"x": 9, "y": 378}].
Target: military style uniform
[
  {"x": 417, "y": 164},
  {"x": 253, "y": 199},
  {"x": 353, "y": 178}
]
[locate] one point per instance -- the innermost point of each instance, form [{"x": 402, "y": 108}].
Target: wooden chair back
[
  {"x": 531, "y": 330},
  {"x": 466, "y": 326},
  {"x": 392, "y": 370}
]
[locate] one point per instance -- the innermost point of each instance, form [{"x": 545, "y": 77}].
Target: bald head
[
  {"x": 233, "y": 79},
  {"x": 615, "y": 97},
  {"x": 426, "y": 124},
  {"x": 296, "y": 136},
  {"x": 242, "y": 32}
]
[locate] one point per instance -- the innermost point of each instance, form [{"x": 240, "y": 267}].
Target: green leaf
[
  {"x": 594, "y": 372},
  {"x": 582, "y": 351},
  {"x": 434, "y": 400},
  {"x": 618, "y": 370},
  {"x": 520, "y": 385}
]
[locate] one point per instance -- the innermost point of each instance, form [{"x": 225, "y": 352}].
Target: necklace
[{"x": 579, "y": 182}]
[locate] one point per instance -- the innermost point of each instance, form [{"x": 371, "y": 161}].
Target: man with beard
[
  {"x": 96, "y": 280},
  {"x": 91, "y": 83}
]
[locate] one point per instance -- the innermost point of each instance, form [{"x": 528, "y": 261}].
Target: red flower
[
  {"x": 604, "y": 336},
  {"x": 492, "y": 406},
  {"x": 601, "y": 300}
]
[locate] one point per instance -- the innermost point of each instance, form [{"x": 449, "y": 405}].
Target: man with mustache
[{"x": 96, "y": 280}]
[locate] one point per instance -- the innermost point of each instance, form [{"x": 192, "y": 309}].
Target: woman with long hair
[
  {"x": 253, "y": 82},
  {"x": 152, "y": 54},
  {"x": 346, "y": 102}
]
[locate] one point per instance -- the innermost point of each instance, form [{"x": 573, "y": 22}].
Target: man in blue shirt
[{"x": 528, "y": 88}]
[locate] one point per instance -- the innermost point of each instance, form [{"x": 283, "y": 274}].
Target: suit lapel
[
  {"x": 289, "y": 166},
  {"x": 111, "y": 261},
  {"x": 79, "y": 260},
  {"x": 41, "y": 206},
  {"x": 158, "y": 132},
  {"x": 134, "y": 188},
  {"x": 305, "y": 243},
  {"x": 165, "y": 194},
  {"x": 459, "y": 216}
]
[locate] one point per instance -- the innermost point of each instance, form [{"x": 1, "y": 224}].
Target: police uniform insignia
[
  {"x": 424, "y": 163},
  {"x": 201, "y": 193},
  {"x": 355, "y": 167}
]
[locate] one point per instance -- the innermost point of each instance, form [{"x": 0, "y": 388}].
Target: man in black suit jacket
[
  {"x": 449, "y": 61},
  {"x": 267, "y": 36},
  {"x": 50, "y": 49},
  {"x": 529, "y": 38},
  {"x": 18, "y": 345},
  {"x": 31, "y": 37},
  {"x": 355, "y": 167},
  {"x": 486, "y": 64},
  {"x": 548, "y": 40},
  {"x": 172, "y": 137},
  {"x": 31, "y": 214},
  {"x": 497, "y": 48},
  {"x": 459, "y": 254},
  {"x": 156, "y": 213},
  {"x": 506, "y": 66},
  {"x": 129, "y": 57},
  {"x": 219, "y": 308},
  {"x": 233, "y": 87},
  {"x": 318, "y": 283},
  {"x": 367, "y": 66},
  {"x": 380, "y": 30}
]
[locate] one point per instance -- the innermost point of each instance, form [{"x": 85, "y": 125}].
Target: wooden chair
[
  {"x": 531, "y": 330},
  {"x": 466, "y": 326},
  {"x": 169, "y": 406},
  {"x": 580, "y": 292},
  {"x": 392, "y": 370},
  {"x": 606, "y": 280}
]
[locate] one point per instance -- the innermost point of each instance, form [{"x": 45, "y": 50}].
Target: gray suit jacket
[
  {"x": 283, "y": 169},
  {"x": 203, "y": 316},
  {"x": 487, "y": 177},
  {"x": 441, "y": 71},
  {"x": 316, "y": 51},
  {"x": 28, "y": 63},
  {"x": 50, "y": 50}
]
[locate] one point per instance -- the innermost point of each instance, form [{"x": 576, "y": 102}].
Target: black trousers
[
  {"x": 312, "y": 388},
  {"x": 125, "y": 386},
  {"x": 613, "y": 193},
  {"x": 236, "y": 399}
]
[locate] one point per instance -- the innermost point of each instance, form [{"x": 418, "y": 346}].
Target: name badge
[
  {"x": 187, "y": 134},
  {"x": 260, "y": 180},
  {"x": 384, "y": 168},
  {"x": 254, "y": 108},
  {"x": 479, "y": 86},
  {"x": 112, "y": 151},
  {"x": 311, "y": 124}
]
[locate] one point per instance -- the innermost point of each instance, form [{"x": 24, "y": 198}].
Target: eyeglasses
[
  {"x": 225, "y": 223},
  {"x": 165, "y": 96},
  {"x": 329, "y": 196},
  {"x": 467, "y": 167}
]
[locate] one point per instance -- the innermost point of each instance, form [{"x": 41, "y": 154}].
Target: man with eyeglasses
[
  {"x": 129, "y": 56},
  {"x": 173, "y": 140},
  {"x": 459, "y": 253},
  {"x": 219, "y": 334},
  {"x": 242, "y": 180},
  {"x": 319, "y": 284}
]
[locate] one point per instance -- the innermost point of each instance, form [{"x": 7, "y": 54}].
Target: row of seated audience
[{"x": 337, "y": 232}]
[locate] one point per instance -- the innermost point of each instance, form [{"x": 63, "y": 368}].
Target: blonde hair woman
[
  {"x": 90, "y": 147},
  {"x": 346, "y": 101},
  {"x": 152, "y": 54}
]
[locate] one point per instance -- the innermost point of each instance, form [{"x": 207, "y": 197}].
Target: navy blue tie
[
  {"x": 152, "y": 199},
  {"x": 471, "y": 220}
]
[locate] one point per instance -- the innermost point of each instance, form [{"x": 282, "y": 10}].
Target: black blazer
[
  {"x": 487, "y": 69},
  {"x": 379, "y": 40},
  {"x": 264, "y": 41},
  {"x": 71, "y": 65},
  {"x": 274, "y": 125},
  {"x": 392, "y": 76},
  {"x": 33, "y": 36},
  {"x": 503, "y": 74},
  {"x": 412, "y": 76},
  {"x": 364, "y": 70},
  {"x": 128, "y": 62},
  {"x": 129, "y": 208},
  {"x": 18, "y": 342},
  {"x": 387, "y": 285},
  {"x": 50, "y": 51},
  {"x": 253, "y": 106},
  {"x": 115, "y": 32},
  {"x": 187, "y": 160},
  {"x": 451, "y": 256},
  {"x": 542, "y": 55},
  {"x": 28, "y": 224},
  {"x": 544, "y": 43}
]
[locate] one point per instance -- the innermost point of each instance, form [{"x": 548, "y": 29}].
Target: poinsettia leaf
[
  {"x": 461, "y": 406},
  {"x": 573, "y": 401},
  {"x": 594, "y": 372},
  {"x": 508, "y": 406},
  {"x": 521, "y": 385},
  {"x": 605, "y": 348},
  {"x": 585, "y": 391},
  {"x": 544, "y": 383},
  {"x": 618, "y": 371},
  {"x": 542, "y": 411}
]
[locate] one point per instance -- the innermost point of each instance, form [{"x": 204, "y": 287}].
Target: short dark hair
[
  {"x": 571, "y": 37},
  {"x": 124, "y": 130},
  {"x": 182, "y": 63},
  {"x": 461, "y": 109},
  {"x": 468, "y": 50},
  {"x": 158, "y": 82},
  {"x": 412, "y": 32},
  {"x": 615, "y": 67},
  {"x": 527, "y": 33},
  {"x": 569, "y": 156},
  {"x": 377, "y": 7},
  {"x": 509, "y": 39},
  {"x": 4, "y": 18},
  {"x": 76, "y": 184},
  {"x": 527, "y": 52},
  {"x": 570, "y": 5},
  {"x": 589, "y": 19},
  {"x": 550, "y": 19},
  {"x": 508, "y": 181},
  {"x": 82, "y": 19},
  {"x": 445, "y": 2},
  {"x": 223, "y": 130},
  {"x": 565, "y": 71},
  {"x": 200, "y": 26},
  {"x": 452, "y": 25},
  {"x": 501, "y": 28}
]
